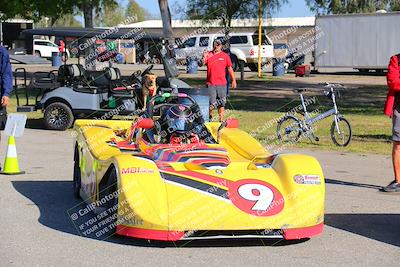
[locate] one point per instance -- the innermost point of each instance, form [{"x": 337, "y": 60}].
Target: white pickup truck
[
  {"x": 45, "y": 48},
  {"x": 244, "y": 47}
]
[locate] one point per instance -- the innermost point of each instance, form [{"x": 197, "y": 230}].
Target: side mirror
[
  {"x": 229, "y": 123},
  {"x": 145, "y": 123}
]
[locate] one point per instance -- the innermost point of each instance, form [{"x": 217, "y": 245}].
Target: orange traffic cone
[{"x": 11, "y": 166}]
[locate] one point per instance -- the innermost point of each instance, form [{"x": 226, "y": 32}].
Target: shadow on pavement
[
  {"x": 55, "y": 198},
  {"x": 37, "y": 124},
  {"x": 338, "y": 182},
  {"x": 55, "y": 201},
  {"x": 380, "y": 227}
]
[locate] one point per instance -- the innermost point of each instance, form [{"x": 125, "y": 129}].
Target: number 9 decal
[{"x": 256, "y": 197}]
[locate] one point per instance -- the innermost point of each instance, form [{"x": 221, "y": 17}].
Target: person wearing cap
[{"x": 217, "y": 63}]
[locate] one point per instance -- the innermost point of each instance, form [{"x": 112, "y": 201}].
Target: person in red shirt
[
  {"x": 61, "y": 49},
  {"x": 392, "y": 109},
  {"x": 217, "y": 63},
  {"x": 61, "y": 46}
]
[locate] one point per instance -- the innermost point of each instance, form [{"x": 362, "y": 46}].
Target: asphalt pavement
[{"x": 362, "y": 225}]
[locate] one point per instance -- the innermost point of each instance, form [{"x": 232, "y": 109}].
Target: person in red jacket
[{"x": 392, "y": 109}]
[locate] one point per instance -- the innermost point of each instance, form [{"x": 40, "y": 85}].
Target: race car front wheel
[
  {"x": 77, "y": 177},
  {"x": 108, "y": 197}
]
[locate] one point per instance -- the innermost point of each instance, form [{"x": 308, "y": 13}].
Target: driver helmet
[{"x": 179, "y": 119}]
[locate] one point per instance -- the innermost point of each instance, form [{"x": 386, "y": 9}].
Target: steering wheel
[{"x": 146, "y": 71}]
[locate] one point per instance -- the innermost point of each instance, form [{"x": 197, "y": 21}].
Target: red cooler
[{"x": 303, "y": 70}]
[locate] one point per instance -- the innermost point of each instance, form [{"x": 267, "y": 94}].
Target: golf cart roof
[{"x": 98, "y": 33}]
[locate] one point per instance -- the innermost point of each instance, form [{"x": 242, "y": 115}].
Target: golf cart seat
[
  {"x": 70, "y": 74},
  {"x": 113, "y": 74},
  {"x": 75, "y": 75},
  {"x": 43, "y": 80}
]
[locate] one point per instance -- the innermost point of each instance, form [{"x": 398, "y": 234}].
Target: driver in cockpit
[{"x": 177, "y": 126}]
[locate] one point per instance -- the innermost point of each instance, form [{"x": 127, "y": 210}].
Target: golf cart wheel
[
  {"x": 344, "y": 138},
  {"x": 37, "y": 53},
  {"x": 58, "y": 116},
  {"x": 252, "y": 66},
  {"x": 235, "y": 62},
  {"x": 289, "y": 129},
  {"x": 77, "y": 175}
]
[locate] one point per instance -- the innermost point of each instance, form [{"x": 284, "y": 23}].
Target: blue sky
[{"x": 295, "y": 8}]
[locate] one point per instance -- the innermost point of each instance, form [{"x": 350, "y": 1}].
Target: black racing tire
[
  {"x": 289, "y": 129},
  {"x": 253, "y": 66},
  {"x": 77, "y": 175},
  {"x": 58, "y": 116},
  {"x": 346, "y": 132},
  {"x": 108, "y": 203}
]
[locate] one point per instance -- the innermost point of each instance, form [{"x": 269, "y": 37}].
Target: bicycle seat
[{"x": 299, "y": 90}]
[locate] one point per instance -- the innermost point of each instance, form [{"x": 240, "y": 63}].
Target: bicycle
[{"x": 290, "y": 128}]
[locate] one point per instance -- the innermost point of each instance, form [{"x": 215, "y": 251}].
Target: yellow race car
[{"x": 173, "y": 177}]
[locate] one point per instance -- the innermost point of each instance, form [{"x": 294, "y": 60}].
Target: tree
[
  {"x": 167, "y": 52},
  {"x": 68, "y": 20},
  {"x": 225, "y": 10},
  {"x": 111, "y": 15},
  {"x": 166, "y": 19},
  {"x": 394, "y": 5},
  {"x": 89, "y": 7},
  {"x": 35, "y": 10},
  {"x": 351, "y": 6},
  {"x": 134, "y": 9}
]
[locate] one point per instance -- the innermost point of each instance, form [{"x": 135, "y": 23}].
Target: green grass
[
  {"x": 371, "y": 134},
  {"x": 362, "y": 106}
]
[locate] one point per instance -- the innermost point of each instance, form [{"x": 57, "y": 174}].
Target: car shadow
[
  {"x": 380, "y": 227},
  {"x": 56, "y": 204}
]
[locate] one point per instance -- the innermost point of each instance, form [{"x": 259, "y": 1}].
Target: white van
[
  {"x": 45, "y": 48},
  {"x": 244, "y": 47}
]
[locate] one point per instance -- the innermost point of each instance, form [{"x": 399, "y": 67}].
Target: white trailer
[{"x": 359, "y": 41}]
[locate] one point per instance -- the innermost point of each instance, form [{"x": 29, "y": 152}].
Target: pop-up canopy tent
[
  {"x": 100, "y": 33},
  {"x": 85, "y": 39}
]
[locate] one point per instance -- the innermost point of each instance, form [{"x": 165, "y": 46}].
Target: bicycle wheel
[
  {"x": 289, "y": 129},
  {"x": 344, "y": 137}
]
